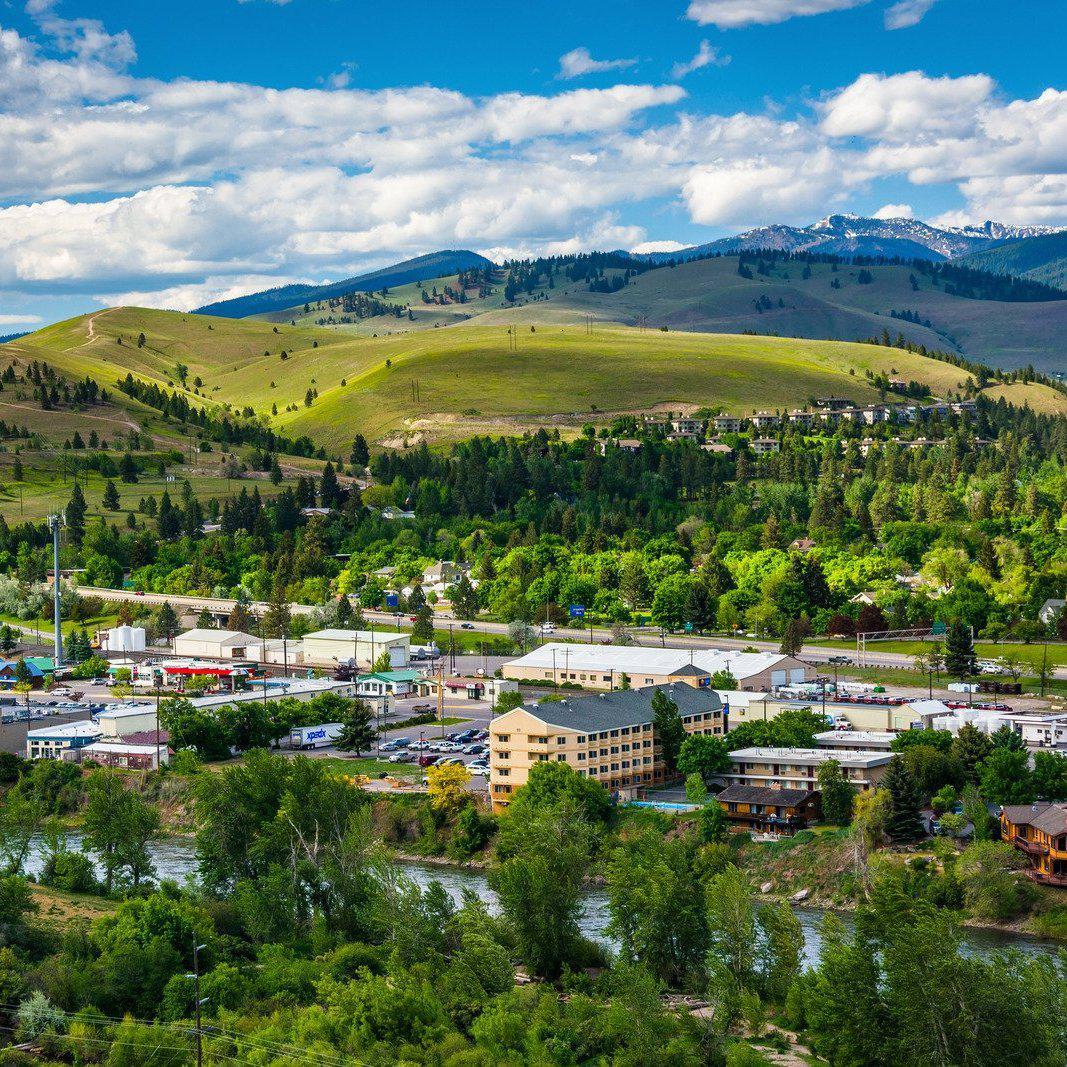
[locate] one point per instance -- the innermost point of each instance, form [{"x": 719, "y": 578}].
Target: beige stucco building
[
  {"x": 327, "y": 648},
  {"x": 603, "y": 666},
  {"x": 798, "y": 768},
  {"x": 608, "y": 737}
]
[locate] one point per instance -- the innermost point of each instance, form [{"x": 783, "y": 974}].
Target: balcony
[
  {"x": 1059, "y": 880},
  {"x": 1031, "y": 848}
]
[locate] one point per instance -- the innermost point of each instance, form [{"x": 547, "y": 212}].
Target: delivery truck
[{"x": 315, "y": 736}]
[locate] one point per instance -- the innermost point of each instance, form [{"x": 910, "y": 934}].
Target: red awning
[{"x": 219, "y": 672}]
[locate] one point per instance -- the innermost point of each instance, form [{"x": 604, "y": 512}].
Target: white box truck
[{"x": 315, "y": 736}]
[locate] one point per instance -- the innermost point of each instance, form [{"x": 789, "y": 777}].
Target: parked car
[
  {"x": 474, "y": 749},
  {"x": 478, "y": 767},
  {"x": 402, "y": 757},
  {"x": 466, "y": 625},
  {"x": 428, "y": 760},
  {"x": 420, "y": 708},
  {"x": 842, "y": 661},
  {"x": 449, "y": 761},
  {"x": 422, "y": 745}
]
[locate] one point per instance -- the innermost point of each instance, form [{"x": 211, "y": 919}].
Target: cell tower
[{"x": 54, "y": 523}]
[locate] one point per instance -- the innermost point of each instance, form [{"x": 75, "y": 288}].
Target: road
[{"x": 598, "y": 634}]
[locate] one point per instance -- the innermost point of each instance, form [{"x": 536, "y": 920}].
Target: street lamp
[{"x": 195, "y": 976}]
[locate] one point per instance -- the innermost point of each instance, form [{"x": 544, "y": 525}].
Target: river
[{"x": 175, "y": 858}]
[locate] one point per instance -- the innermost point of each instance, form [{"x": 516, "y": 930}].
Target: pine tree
[
  {"x": 970, "y": 746},
  {"x": 111, "y": 497},
  {"x": 360, "y": 456},
  {"x": 667, "y": 728},
  {"x": 275, "y": 469},
  {"x": 344, "y": 611},
  {"x": 960, "y": 658},
  {"x": 240, "y": 619},
  {"x": 903, "y": 824},
  {"x": 357, "y": 729},
  {"x": 329, "y": 489},
  {"x": 128, "y": 468},
  {"x": 422, "y": 630},
  {"x": 167, "y": 622},
  {"x": 75, "y": 514}
]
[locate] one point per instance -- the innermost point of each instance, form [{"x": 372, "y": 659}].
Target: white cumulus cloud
[
  {"x": 731, "y": 14},
  {"x": 907, "y": 13},
  {"x": 578, "y": 62},
  {"x": 707, "y": 55},
  {"x": 895, "y": 211}
]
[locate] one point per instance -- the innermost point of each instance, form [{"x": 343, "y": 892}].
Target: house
[
  {"x": 765, "y": 446},
  {"x": 1040, "y": 731},
  {"x": 867, "y": 598},
  {"x": 203, "y": 643},
  {"x": 332, "y": 646},
  {"x": 1050, "y": 610},
  {"x": 393, "y": 514},
  {"x": 1039, "y": 832},
  {"x": 762, "y": 810},
  {"x": 443, "y": 572},
  {"x": 50, "y": 742},
  {"x": 728, "y": 423},
  {"x": 687, "y": 427},
  {"x": 798, "y": 768},
  {"x": 832, "y": 403},
  {"x": 765, "y": 420},
  {"x": 603, "y": 666},
  {"x": 309, "y": 512},
  {"x": 624, "y": 444},
  {"x": 485, "y": 688},
  {"x": 803, "y": 419},
  {"x": 381, "y": 683},
  {"x": 608, "y": 737},
  {"x": 802, "y": 544},
  {"x": 718, "y": 448}
]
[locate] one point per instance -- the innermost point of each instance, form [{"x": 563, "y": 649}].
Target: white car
[{"x": 478, "y": 767}]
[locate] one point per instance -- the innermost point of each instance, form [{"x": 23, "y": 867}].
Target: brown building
[
  {"x": 1039, "y": 831},
  {"x": 608, "y": 737},
  {"x": 765, "y": 810}
]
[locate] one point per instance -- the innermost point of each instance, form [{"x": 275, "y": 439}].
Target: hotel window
[
  {"x": 503, "y": 755},
  {"x": 503, "y": 737},
  {"x": 581, "y": 756},
  {"x": 625, "y": 764},
  {"x": 625, "y": 730},
  {"x": 561, "y": 740},
  {"x": 648, "y": 681},
  {"x": 504, "y": 772},
  {"x": 626, "y": 748},
  {"x": 581, "y": 677},
  {"x": 581, "y": 740},
  {"x": 614, "y": 766},
  {"x": 614, "y": 750},
  {"x": 561, "y": 758},
  {"x": 614, "y": 733}
]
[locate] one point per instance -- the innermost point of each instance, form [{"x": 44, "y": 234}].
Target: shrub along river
[{"x": 175, "y": 858}]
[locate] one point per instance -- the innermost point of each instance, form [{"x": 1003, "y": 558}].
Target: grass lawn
[
  {"x": 57, "y": 908},
  {"x": 889, "y": 676},
  {"x": 96, "y": 622},
  {"x": 1032, "y": 653}
]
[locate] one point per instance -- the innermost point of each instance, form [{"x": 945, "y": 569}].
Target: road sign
[
  {"x": 688, "y": 627},
  {"x": 577, "y": 611},
  {"x": 938, "y": 629},
  {"x": 392, "y": 600}
]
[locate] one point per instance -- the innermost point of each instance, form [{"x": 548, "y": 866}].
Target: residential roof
[
  {"x": 1048, "y": 818},
  {"x": 119, "y": 748},
  {"x": 622, "y": 707},
  {"x": 856, "y": 738},
  {"x": 635, "y": 659},
  {"x": 847, "y": 757},
  {"x": 223, "y": 637},
  {"x": 759, "y": 794},
  {"x": 362, "y": 636},
  {"x": 35, "y": 671}
]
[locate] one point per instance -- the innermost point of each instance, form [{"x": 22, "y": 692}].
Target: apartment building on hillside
[
  {"x": 798, "y": 768},
  {"x": 608, "y": 737}
]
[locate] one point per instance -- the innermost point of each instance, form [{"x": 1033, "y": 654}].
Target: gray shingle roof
[
  {"x": 758, "y": 794},
  {"x": 623, "y": 707}
]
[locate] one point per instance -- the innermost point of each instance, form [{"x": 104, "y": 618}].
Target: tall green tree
[
  {"x": 667, "y": 729},
  {"x": 357, "y": 728},
  {"x": 75, "y": 515},
  {"x": 903, "y": 824},
  {"x": 838, "y": 794},
  {"x": 960, "y": 658}
]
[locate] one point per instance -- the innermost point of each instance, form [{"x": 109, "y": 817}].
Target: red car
[{"x": 428, "y": 760}]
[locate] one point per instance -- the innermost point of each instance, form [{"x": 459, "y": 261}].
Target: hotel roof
[{"x": 623, "y": 707}]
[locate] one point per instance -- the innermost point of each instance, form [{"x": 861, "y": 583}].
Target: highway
[{"x": 812, "y": 653}]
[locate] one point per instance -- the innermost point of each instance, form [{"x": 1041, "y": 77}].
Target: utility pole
[
  {"x": 196, "y": 989},
  {"x": 54, "y": 523}
]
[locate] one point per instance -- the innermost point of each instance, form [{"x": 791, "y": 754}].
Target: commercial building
[
  {"x": 865, "y": 716},
  {"x": 330, "y": 647},
  {"x": 856, "y": 740},
  {"x": 608, "y": 737},
  {"x": 798, "y": 768},
  {"x": 1039, "y": 831},
  {"x": 603, "y": 666},
  {"x": 393, "y": 683},
  {"x": 127, "y": 757},
  {"x": 763, "y": 810},
  {"x": 202, "y": 643},
  {"x": 50, "y": 742},
  {"x": 479, "y": 688}
]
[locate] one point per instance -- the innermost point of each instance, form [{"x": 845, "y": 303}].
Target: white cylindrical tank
[{"x": 125, "y": 639}]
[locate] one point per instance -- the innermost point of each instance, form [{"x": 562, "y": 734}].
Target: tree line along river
[{"x": 175, "y": 858}]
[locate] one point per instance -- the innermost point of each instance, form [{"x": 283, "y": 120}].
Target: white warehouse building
[
  {"x": 602, "y": 666},
  {"x": 326, "y": 648}
]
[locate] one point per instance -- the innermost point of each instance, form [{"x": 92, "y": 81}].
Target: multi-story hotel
[{"x": 608, "y": 737}]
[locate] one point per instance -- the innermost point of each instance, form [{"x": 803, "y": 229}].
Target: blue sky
[{"x": 169, "y": 161}]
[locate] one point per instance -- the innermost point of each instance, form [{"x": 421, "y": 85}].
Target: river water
[{"x": 175, "y": 858}]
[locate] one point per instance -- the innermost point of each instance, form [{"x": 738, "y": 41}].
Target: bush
[{"x": 72, "y": 872}]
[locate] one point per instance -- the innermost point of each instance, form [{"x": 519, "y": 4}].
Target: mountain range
[{"x": 853, "y": 235}]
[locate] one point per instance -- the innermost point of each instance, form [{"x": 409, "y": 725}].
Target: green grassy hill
[
  {"x": 472, "y": 377},
  {"x": 1042, "y": 259},
  {"x": 710, "y": 296}
]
